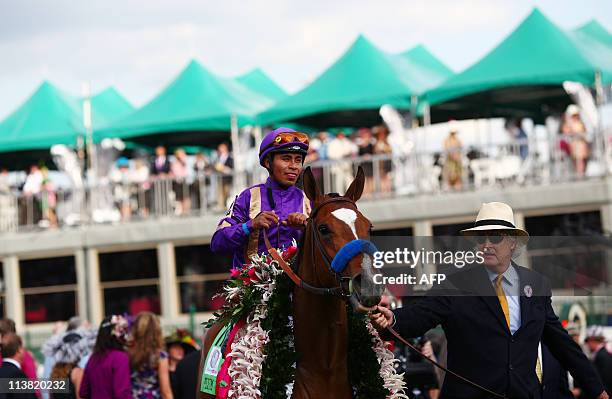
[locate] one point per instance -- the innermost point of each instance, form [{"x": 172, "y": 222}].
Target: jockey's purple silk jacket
[{"x": 235, "y": 234}]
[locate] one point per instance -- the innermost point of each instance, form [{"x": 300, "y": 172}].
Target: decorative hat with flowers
[
  {"x": 120, "y": 327},
  {"x": 260, "y": 359}
]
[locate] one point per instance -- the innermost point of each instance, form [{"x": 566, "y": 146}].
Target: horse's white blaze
[{"x": 348, "y": 216}]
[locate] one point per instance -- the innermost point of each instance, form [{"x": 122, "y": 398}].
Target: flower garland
[{"x": 263, "y": 352}]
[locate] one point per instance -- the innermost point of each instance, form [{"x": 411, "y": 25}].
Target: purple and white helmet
[{"x": 283, "y": 139}]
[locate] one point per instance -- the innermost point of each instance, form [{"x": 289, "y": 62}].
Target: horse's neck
[{"x": 320, "y": 323}]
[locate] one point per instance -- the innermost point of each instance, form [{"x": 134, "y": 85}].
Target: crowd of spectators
[
  {"x": 129, "y": 357},
  {"x": 179, "y": 183}
]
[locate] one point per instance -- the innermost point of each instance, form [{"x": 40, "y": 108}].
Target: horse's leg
[{"x": 208, "y": 341}]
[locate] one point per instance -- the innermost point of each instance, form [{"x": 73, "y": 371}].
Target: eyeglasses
[
  {"x": 494, "y": 238},
  {"x": 289, "y": 137}
]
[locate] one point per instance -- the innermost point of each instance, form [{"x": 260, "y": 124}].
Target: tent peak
[
  {"x": 536, "y": 12},
  {"x": 363, "y": 39},
  {"x": 594, "y": 28}
]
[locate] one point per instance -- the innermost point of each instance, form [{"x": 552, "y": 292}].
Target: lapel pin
[{"x": 528, "y": 291}]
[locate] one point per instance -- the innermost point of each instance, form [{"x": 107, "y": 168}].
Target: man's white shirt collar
[{"x": 12, "y": 361}]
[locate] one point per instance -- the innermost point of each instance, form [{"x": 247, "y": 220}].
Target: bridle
[{"x": 344, "y": 288}]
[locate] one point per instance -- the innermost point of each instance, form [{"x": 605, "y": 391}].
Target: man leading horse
[{"x": 494, "y": 317}]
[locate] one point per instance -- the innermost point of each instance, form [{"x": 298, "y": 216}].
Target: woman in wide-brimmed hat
[
  {"x": 67, "y": 350},
  {"x": 179, "y": 344}
]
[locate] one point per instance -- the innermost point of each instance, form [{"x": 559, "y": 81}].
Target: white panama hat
[{"x": 496, "y": 216}]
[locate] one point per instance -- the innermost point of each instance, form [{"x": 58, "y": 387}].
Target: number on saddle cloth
[{"x": 214, "y": 360}]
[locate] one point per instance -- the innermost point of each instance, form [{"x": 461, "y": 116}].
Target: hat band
[{"x": 491, "y": 222}]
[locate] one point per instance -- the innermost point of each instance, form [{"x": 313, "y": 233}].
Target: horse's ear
[
  {"x": 356, "y": 188},
  {"x": 310, "y": 186}
]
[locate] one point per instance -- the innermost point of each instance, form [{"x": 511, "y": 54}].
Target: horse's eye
[{"x": 324, "y": 229}]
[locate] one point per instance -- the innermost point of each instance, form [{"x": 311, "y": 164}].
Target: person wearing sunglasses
[
  {"x": 494, "y": 315},
  {"x": 276, "y": 208}
]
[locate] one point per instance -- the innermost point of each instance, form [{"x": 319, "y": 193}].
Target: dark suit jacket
[
  {"x": 554, "y": 382},
  {"x": 185, "y": 381},
  {"x": 165, "y": 167},
  {"x": 480, "y": 346},
  {"x": 603, "y": 364},
  {"x": 9, "y": 370}
]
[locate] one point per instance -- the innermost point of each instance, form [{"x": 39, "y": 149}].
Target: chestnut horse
[{"x": 319, "y": 311}]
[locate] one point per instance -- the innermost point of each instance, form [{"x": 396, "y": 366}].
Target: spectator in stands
[
  {"x": 107, "y": 374},
  {"x": 148, "y": 361},
  {"x": 30, "y": 202},
  {"x": 311, "y": 157},
  {"x": 319, "y": 144},
  {"x": 575, "y": 132},
  {"x": 514, "y": 127},
  {"x": 201, "y": 165},
  {"x": 121, "y": 177},
  {"x": 382, "y": 147},
  {"x": 5, "y": 184},
  {"x": 28, "y": 364},
  {"x": 140, "y": 177},
  {"x": 601, "y": 356},
  {"x": 224, "y": 166},
  {"x": 180, "y": 172},
  {"x": 161, "y": 164},
  {"x": 365, "y": 149},
  {"x": 12, "y": 357},
  {"x": 33, "y": 181},
  {"x": 341, "y": 148},
  {"x": 48, "y": 200},
  {"x": 159, "y": 194},
  {"x": 452, "y": 170},
  {"x": 202, "y": 169}
]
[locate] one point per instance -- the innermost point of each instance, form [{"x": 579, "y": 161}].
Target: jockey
[{"x": 276, "y": 205}]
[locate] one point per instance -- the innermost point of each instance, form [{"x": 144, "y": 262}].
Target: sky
[{"x": 140, "y": 46}]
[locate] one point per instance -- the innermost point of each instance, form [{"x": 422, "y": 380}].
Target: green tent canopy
[
  {"x": 51, "y": 116},
  {"x": 108, "y": 106},
  {"x": 420, "y": 55},
  {"x": 196, "y": 101},
  {"x": 257, "y": 81},
  {"x": 522, "y": 76},
  {"x": 362, "y": 79},
  {"x": 595, "y": 30}
]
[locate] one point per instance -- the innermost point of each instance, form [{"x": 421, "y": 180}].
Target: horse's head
[{"x": 341, "y": 250}]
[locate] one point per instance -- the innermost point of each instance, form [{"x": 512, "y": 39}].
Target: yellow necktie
[
  {"x": 503, "y": 301},
  {"x": 539, "y": 369}
]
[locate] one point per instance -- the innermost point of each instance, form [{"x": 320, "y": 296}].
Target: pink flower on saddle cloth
[{"x": 223, "y": 378}]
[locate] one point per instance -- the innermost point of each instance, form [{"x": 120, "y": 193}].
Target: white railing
[{"x": 386, "y": 176}]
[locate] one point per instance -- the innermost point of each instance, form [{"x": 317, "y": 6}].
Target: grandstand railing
[{"x": 387, "y": 176}]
